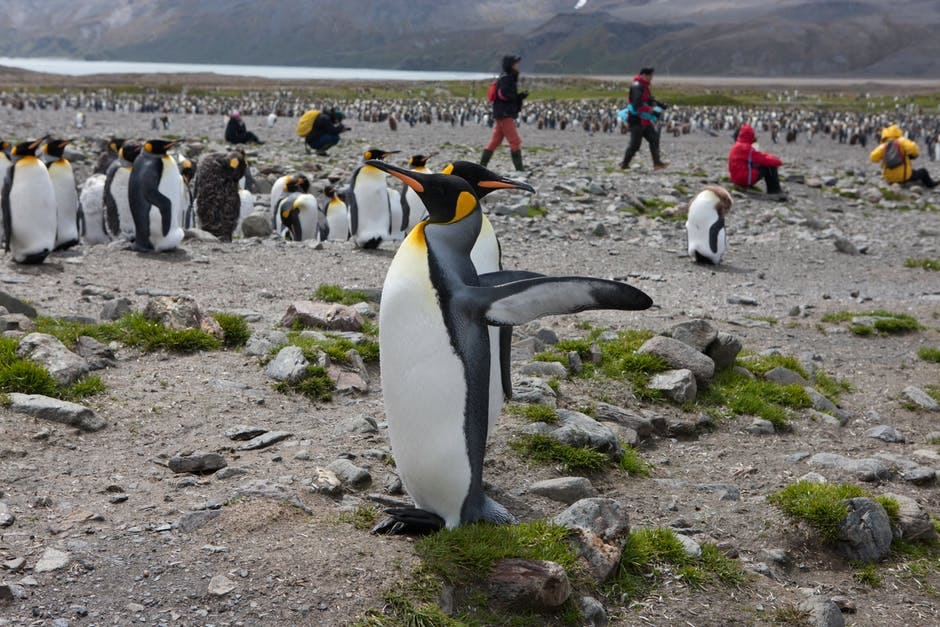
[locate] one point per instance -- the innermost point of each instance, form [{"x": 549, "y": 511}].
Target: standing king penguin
[
  {"x": 155, "y": 191},
  {"x": 118, "y": 219},
  {"x": 705, "y": 225},
  {"x": 336, "y": 224},
  {"x": 412, "y": 209},
  {"x": 370, "y": 204},
  {"x": 435, "y": 351},
  {"x": 29, "y": 206},
  {"x": 69, "y": 218}
]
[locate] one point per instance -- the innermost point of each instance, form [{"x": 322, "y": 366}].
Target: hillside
[{"x": 749, "y": 38}]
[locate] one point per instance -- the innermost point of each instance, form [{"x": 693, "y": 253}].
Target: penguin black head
[
  {"x": 158, "y": 146},
  {"x": 26, "y": 149},
  {"x": 329, "y": 191},
  {"x": 115, "y": 143},
  {"x": 187, "y": 169},
  {"x": 297, "y": 183},
  {"x": 4, "y": 145},
  {"x": 448, "y": 198},
  {"x": 483, "y": 180},
  {"x": 236, "y": 164},
  {"x": 378, "y": 153},
  {"x": 129, "y": 151},
  {"x": 417, "y": 161},
  {"x": 56, "y": 147}
]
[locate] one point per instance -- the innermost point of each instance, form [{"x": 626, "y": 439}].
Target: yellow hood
[{"x": 891, "y": 132}]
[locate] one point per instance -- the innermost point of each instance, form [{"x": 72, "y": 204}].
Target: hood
[
  {"x": 746, "y": 134},
  {"x": 891, "y": 132},
  {"x": 508, "y": 61}
]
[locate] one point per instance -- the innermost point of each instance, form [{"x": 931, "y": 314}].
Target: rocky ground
[{"x": 104, "y": 531}]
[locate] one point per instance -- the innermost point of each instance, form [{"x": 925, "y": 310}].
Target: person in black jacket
[
  {"x": 642, "y": 114},
  {"x": 237, "y": 133},
  {"x": 506, "y": 107},
  {"x": 325, "y": 132}
]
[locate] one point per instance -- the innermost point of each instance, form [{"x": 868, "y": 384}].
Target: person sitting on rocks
[
  {"x": 896, "y": 159},
  {"x": 747, "y": 164},
  {"x": 237, "y": 133}
]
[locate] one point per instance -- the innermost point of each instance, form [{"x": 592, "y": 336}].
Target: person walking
[
  {"x": 507, "y": 102},
  {"x": 747, "y": 164},
  {"x": 895, "y": 153},
  {"x": 642, "y": 113}
]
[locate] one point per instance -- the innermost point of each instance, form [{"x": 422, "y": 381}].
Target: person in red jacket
[
  {"x": 642, "y": 114},
  {"x": 747, "y": 164}
]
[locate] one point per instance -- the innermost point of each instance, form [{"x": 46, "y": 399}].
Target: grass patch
[
  {"x": 534, "y": 413},
  {"x": 335, "y": 346},
  {"x": 791, "y": 615},
  {"x": 235, "y": 329},
  {"x": 315, "y": 384},
  {"x": 27, "y": 377},
  {"x": 884, "y": 322},
  {"x": 822, "y": 506},
  {"x": 633, "y": 464},
  {"x": 542, "y": 449},
  {"x": 926, "y": 264},
  {"x": 362, "y": 518},
  {"x": 651, "y": 556},
  {"x": 745, "y": 396},
  {"x": 536, "y": 211},
  {"x": 330, "y": 293},
  {"x": 930, "y": 354},
  {"x": 762, "y": 364},
  {"x": 866, "y": 574}
]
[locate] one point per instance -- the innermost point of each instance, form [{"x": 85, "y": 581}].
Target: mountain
[{"x": 841, "y": 38}]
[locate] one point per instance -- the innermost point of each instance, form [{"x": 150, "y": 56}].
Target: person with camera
[
  {"x": 507, "y": 102},
  {"x": 326, "y": 131},
  {"x": 642, "y": 114}
]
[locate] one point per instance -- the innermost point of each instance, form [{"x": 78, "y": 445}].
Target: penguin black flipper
[
  {"x": 713, "y": 233},
  {"x": 7, "y": 184},
  {"x": 505, "y": 333},
  {"x": 165, "y": 205},
  {"x": 520, "y": 302},
  {"x": 405, "y": 210},
  {"x": 408, "y": 521},
  {"x": 351, "y": 204},
  {"x": 112, "y": 220}
]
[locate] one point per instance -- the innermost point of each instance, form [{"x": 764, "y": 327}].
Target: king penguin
[
  {"x": 412, "y": 209},
  {"x": 155, "y": 192},
  {"x": 705, "y": 225},
  {"x": 118, "y": 219},
  {"x": 299, "y": 217},
  {"x": 29, "y": 206},
  {"x": 369, "y": 201},
  {"x": 336, "y": 223},
  {"x": 285, "y": 186},
  {"x": 91, "y": 200},
  {"x": 435, "y": 351},
  {"x": 487, "y": 257},
  {"x": 69, "y": 216},
  {"x": 4, "y": 160}
]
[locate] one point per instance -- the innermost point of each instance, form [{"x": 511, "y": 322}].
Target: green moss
[
  {"x": 236, "y": 332},
  {"x": 335, "y": 346},
  {"x": 542, "y": 449},
  {"x": 765, "y": 399},
  {"x": 830, "y": 387},
  {"x": 363, "y": 518},
  {"x": 536, "y": 211},
  {"x": 926, "y": 264},
  {"x": 928, "y": 353},
  {"x": 534, "y": 413},
  {"x": 885, "y": 322},
  {"x": 822, "y": 506},
  {"x": 762, "y": 364},
  {"x": 330, "y": 293},
  {"x": 650, "y": 554},
  {"x": 132, "y": 329},
  {"x": 89, "y": 385},
  {"x": 315, "y": 384},
  {"x": 27, "y": 377},
  {"x": 633, "y": 464}
]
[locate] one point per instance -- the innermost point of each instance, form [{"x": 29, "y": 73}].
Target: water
[{"x": 77, "y": 67}]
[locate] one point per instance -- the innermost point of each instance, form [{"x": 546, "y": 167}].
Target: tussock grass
[
  {"x": 926, "y": 264},
  {"x": 534, "y": 413},
  {"x": 928, "y": 353},
  {"x": 132, "y": 329},
  {"x": 335, "y": 346},
  {"x": 315, "y": 384},
  {"x": 884, "y": 322},
  {"x": 235, "y": 329},
  {"x": 331, "y": 293},
  {"x": 26, "y": 377},
  {"x": 745, "y": 396},
  {"x": 542, "y": 449}
]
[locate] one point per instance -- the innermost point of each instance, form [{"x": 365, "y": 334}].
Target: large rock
[
  {"x": 678, "y": 385},
  {"x": 46, "y": 350},
  {"x": 257, "y": 224},
  {"x": 530, "y": 584},
  {"x": 289, "y": 364},
  {"x": 679, "y": 355},
  {"x": 53, "y": 409},
  {"x": 180, "y": 313},
  {"x": 696, "y": 333},
  {"x": 724, "y": 350},
  {"x": 580, "y": 430},
  {"x": 865, "y": 532},
  {"x": 329, "y": 316}
]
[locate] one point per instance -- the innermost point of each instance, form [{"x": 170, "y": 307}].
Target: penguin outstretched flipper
[
  {"x": 520, "y": 302},
  {"x": 408, "y": 521}
]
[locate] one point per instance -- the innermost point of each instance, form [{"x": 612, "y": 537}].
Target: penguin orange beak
[
  {"x": 506, "y": 183},
  {"x": 403, "y": 175}
]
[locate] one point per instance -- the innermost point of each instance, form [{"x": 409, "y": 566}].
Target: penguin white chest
[
  {"x": 171, "y": 186},
  {"x": 63, "y": 182},
  {"x": 424, "y": 388},
  {"x": 372, "y": 205},
  {"x": 33, "y": 213}
]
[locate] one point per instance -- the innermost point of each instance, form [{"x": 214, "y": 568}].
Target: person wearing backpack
[
  {"x": 747, "y": 164},
  {"x": 895, "y": 153},
  {"x": 507, "y": 102},
  {"x": 326, "y": 131},
  {"x": 642, "y": 113}
]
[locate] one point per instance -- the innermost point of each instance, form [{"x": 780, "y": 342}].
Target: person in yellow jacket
[{"x": 904, "y": 172}]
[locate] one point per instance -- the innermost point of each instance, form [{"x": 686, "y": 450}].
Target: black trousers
[
  {"x": 770, "y": 177},
  {"x": 920, "y": 175},
  {"x": 637, "y": 134}
]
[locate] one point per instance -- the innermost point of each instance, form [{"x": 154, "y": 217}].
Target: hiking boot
[
  {"x": 778, "y": 196},
  {"x": 624, "y": 165},
  {"x": 661, "y": 166},
  {"x": 322, "y": 153}
]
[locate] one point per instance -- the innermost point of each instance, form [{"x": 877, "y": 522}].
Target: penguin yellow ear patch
[
  {"x": 285, "y": 214},
  {"x": 148, "y": 147},
  {"x": 448, "y": 169},
  {"x": 233, "y": 163},
  {"x": 466, "y": 203}
]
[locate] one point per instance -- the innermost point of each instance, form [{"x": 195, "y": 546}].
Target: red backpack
[{"x": 491, "y": 94}]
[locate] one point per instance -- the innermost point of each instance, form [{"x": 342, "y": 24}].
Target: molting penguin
[
  {"x": 369, "y": 201},
  {"x": 29, "y": 206},
  {"x": 284, "y": 186},
  {"x": 69, "y": 216},
  {"x": 218, "y": 204},
  {"x": 154, "y": 190},
  {"x": 118, "y": 219},
  {"x": 412, "y": 209},
  {"x": 336, "y": 223},
  {"x": 299, "y": 216},
  {"x": 435, "y": 351},
  {"x": 705, "y": 225}
]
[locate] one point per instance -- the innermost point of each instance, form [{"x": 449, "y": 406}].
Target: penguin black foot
[
  {"x": 408, "y": 521},
  {"x": 34, "y": 259},
  {"x": 702, "y": 259},
  {"x": 140, "y": 248},
  {"x": 67, "y": 245}
]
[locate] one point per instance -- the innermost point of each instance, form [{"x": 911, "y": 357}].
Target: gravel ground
[{"x": 131, "y": 562}]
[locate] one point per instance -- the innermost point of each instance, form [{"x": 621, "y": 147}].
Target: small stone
[
  {"x": 220, "y": 585},
  {"x": 197, "y": 463},
  {"x": 51, "y": 559}
]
